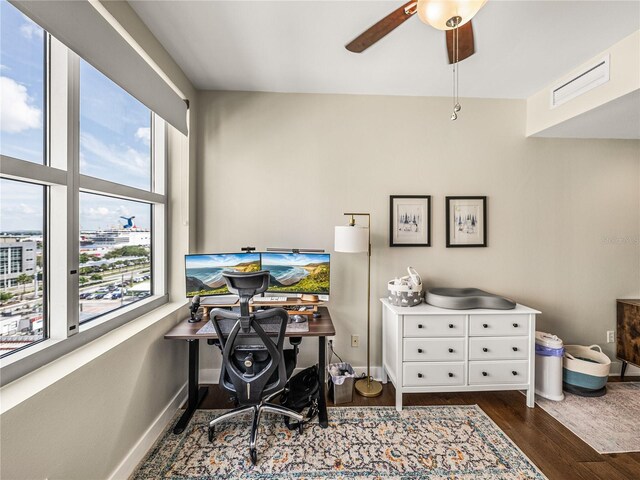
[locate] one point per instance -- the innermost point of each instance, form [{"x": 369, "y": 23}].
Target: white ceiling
[{"x": 298, "y": 46}]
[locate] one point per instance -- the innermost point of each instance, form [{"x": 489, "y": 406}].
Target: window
[
  {"x": 115, "y": 132},
  {"x": 82, "y": 197},
  {"x": 22, "y": 75},
  {"x": 22, "y": 283}
]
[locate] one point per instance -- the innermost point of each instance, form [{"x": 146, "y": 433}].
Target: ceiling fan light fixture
[{"x": 448, "y": 14}]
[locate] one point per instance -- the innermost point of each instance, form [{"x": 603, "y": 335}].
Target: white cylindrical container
[{"x": 549, "y": 353}]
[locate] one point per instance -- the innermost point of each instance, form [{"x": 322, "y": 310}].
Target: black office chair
[{"x": 255, "y": 366}]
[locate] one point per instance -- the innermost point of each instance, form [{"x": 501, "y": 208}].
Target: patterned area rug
[
  {"x": 609, "y": 424},
  {"x": 445, "y": 442}
]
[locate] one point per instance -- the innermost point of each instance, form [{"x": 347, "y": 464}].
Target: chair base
[{"x": 257, "y": 413}]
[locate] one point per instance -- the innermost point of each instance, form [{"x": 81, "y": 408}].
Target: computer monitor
[
  {"x": 204, "y": 271},
  {"x": 297, "y": 272}
]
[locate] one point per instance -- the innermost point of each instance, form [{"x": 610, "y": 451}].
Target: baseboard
[
  {"x": 375, "y": 372},
  {"x": 212, "y": 375},
  {"x": 616, "y": 368},
  {"x": 140, "y": 449}
]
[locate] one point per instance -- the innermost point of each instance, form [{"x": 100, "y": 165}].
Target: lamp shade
[
  {"x": 351, "y": 239},
  {"x": 437, "y": 12}
]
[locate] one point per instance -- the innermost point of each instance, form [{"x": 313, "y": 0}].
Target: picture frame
[
  {"x": 410, "y": 221},
  {"x": 466, "y": 221}
]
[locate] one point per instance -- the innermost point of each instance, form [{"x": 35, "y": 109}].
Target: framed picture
[
  {"x": 410, "y": 221},
  {"x": 466, "y": 221}
]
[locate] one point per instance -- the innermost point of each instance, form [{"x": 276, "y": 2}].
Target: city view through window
[
  {"x": 115, "y": 254},
  {"x": 21, "y": 265}
]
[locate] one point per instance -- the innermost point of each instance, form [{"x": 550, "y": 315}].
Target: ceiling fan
[{"x": 453, "y": 16}]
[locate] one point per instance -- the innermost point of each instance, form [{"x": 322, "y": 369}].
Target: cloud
[
  {"x": 26, "y": 209},
  {"x": 30, "y": 30},
  {"x": 100, "y": 157},
  {"x": 16, "y": 114},
  {"x": 98, "y": 212},
  {"x": 144, "y": 134}
]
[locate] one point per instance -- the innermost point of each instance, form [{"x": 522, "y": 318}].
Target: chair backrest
[{"x": 253, "y": 363}]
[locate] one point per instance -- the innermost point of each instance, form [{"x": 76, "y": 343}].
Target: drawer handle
[
  {"x": 484, "y": 325},
  {"x": 451, "y": 325},
  {"x": 419, "y": 350},
  {"x": 450, "y": 374},
  {"x": 420, "y": 325},
  {"x": 515, "y": 325},
  {"x": 419, "y": 375},
  {"x": 515, "y": 349},
  {"x": 514, "y": 373},
  {"x": 485, "y": 349},
  {"x": 484, "y": 374},
  {"x": 451, "y": 350}
]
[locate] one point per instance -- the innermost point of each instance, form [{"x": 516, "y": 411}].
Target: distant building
[{"x": 16, "y": 258}]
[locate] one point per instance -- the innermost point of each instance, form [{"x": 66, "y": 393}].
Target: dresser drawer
[
  {"x": 434, "y": 325},
  {"x": 418, "y": 374},
  {"x": 497, "y": 325},
  {"x": 433, "y": 349},
  {"x": 498, "y": 348},
  {"x": 498, "y": 373}
]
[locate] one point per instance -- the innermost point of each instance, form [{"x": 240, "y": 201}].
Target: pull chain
[{"x": 456, "y": 67}]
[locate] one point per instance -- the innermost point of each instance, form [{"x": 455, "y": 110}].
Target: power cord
[{"x": 333, "y": 353}]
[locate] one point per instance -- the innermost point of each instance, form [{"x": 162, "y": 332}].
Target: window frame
[{"x": 60, "y": 175}]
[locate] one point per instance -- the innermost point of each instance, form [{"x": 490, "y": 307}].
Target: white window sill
[{"x": 37, "y": 380}]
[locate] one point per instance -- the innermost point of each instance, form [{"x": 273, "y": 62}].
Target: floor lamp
[{"x": 356, "y": 239}]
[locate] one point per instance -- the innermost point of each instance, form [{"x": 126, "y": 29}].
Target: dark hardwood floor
[{"x": 552, "y": 447}]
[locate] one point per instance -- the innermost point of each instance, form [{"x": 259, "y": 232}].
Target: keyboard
[{"x": 270, "y": 299}]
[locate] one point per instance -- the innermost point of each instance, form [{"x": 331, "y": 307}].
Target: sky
[
  {"x": 220, "y": 260},
  {"x": 286, "y": 259},
  {"x": 114, "y": 132}
]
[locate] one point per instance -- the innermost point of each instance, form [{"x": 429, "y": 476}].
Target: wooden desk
[
  {"x": 321, "y": 327},
  {"x": 209, "y": 303}
]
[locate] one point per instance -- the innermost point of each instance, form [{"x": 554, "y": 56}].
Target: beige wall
[
  {"x": 85, "y": 424},
  {"x": 279, "y": 170}
]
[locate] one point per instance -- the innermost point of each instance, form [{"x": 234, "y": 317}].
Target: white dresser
[{"x": 431, "y": 349}]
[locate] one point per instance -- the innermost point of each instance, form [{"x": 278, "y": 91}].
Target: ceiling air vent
[{"x": 581, "y": 83}]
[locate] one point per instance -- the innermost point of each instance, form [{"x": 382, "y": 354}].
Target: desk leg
[
  {"x": 323, "y": 416},
  {"x": 196, "y": 394}
]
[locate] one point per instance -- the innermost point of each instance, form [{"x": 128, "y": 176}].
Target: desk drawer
[
  {"x": 498, "y": 325},
  {"x": 417, "y": 374},
  {"x": 498, "y": 348},
  {"x": 433, "y": 349},
  {"x": 498, "y": 373},
  {"x": 434, "y": 325}
]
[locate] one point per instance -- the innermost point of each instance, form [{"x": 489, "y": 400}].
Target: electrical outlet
[
  {"x": 611, "y": 336},
  {"x": 355, "y": 340}
]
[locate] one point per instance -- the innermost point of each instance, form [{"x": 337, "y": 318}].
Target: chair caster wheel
[
  {"x": 254, "y": 456},
  {"x": 212, "y": 431},
  {"x": 300, "y": 428}
]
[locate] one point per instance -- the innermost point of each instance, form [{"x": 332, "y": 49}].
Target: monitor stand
[{"x": 309, "y": 298}]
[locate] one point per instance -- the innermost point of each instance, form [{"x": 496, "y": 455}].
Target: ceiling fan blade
[
  {"x": 466, "y": 46},
  {"x": 382, "y": 28}
]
